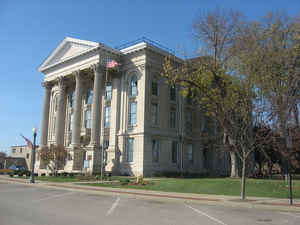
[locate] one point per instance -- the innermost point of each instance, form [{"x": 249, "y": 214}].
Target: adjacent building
[
  {"x": 142, "y": 123},
  {"x": 22, "y": 152}
]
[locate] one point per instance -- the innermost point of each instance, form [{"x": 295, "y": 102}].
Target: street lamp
[{"x": 34, "y": 130}]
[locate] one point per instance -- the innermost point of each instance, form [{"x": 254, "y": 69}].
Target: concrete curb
[{"x": 233, "y": 201}]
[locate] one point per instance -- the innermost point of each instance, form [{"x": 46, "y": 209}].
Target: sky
[{"x": 31, "y": 29}]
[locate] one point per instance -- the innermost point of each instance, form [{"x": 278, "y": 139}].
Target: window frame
[
  {"x": 154, "y": 117},
  {"x": 107, "y": 116},
  {"x": 131, "y": 113},
  {"x": 190, "y": 153},
  {"x": 155, "y": 151},
  {"x": 130, "y": 151}
]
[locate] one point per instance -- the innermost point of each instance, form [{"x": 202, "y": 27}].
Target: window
[
  {"x": 88, "y": 118},
  {"x": 106, "y": 145},
  {"x": 133, "y": 86},
  {"x": 154, "y": 113},
  {"x": 190, "y": 153},
  {"x": 72, "y": 100},
  {"x": 130, "y": 142},
  {"x": 174, "y": 152},
  {"x": 154, "y": 88},
  {"x": 14, "y": 150},
  {"x": 27, "y": 156},
  {"x": 89, "y": 97},
  {"x": 189, "y": 120},
  {"x": 173, "y": 118},
  {"x": 107, "y": 117},
  {"x": 108, "y": 89},
  {"x": 155, "y": 151},
  {"x": 172, "y": 93},
  {"x": 21, "y": 150},
  {"x": 132, "y": 113},
  {"x": 70, "y": 121}
]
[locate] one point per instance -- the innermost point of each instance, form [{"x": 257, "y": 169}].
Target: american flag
[
  {"x": 29, "y": 143},
  {"x": 112, "y": 64}
]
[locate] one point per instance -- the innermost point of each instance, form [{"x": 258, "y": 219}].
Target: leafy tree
[
  {"x": 268, "y": 53},
  {"x": 54, "y": 157},
  {"x": 215, "y": 86}
]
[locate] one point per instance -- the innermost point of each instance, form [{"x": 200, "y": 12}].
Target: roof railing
[{"x": 148, "y": 41}]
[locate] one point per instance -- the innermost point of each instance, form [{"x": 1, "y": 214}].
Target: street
[{"x": 33, "y": 205}]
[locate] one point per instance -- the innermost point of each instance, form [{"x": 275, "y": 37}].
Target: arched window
[
  {"x": 89, "y": 97},
  {"x": 133, "y": 86}
]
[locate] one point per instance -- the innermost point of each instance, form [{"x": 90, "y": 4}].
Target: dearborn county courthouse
[{"x": 141, "y": 122}]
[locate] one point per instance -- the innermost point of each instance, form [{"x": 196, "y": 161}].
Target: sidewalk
[{"x": 234, "y": 201}]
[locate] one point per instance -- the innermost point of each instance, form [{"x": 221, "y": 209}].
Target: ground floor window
[
  {"x": 155, "y": 151},
  {"x": 190, "y": 153},
  {"x": 130, "y": 142},
  {"x": 174, "y": 152}
]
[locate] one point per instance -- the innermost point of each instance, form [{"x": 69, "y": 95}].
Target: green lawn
[{"x": 217, "y": 186}]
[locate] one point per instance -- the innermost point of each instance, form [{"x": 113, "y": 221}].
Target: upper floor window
[
  {"x": 21, "y": 150},
  {"x": 27, "y": 156},
  {"x": 88, "y": 118},
  {"x": 89, "y": 97},
  {"x": 108, "y": 89},
  {"x": 133, "y": 86},
  {"x": 155, "y": 151},
  {"x": 107, "y": 117},
  {"x": 172, "y": 93},
  {"x": 154, "y": 88},
  {"x": 190, "y": 153},
  {"x": 132, "y": 113},
  {"x": 14, "y": 150},
  {"x": 173, "y": 118},
  {"x": 130, "y": 143},
  {"x": 154, "y": 113}
]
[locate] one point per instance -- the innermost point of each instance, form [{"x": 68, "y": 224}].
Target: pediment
[{"x": 68, "y": 48}]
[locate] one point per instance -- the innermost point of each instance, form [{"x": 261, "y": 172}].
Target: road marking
[
  {"x": 114, "y": 205},
  {"x": 204, "y": 214},
  {"x": 53, "y": 196}
]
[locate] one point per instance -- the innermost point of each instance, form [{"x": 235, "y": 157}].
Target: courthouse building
[{"x": 142, "y": 123}]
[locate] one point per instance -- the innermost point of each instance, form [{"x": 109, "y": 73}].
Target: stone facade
[{"x": 143, "y": 124}]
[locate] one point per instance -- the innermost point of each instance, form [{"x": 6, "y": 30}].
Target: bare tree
[{"x": 54, "y": 157}]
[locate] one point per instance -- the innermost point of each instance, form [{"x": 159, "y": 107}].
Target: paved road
[{"x": 32, "y": 205}]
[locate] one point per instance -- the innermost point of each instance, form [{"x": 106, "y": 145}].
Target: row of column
[{"x": 61, "y": 110}]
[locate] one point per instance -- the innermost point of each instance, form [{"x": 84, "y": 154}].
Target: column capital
[
  {"x": 61, "y": 82},
  {"x": 97, "y": 68},
  {"x": 47, "y": 84}
]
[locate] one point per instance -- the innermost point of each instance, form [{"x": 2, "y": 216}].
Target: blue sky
[{"x": 31, "y": 29}]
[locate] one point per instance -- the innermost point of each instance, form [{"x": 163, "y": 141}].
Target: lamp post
[{"x": 34, "y": 130}]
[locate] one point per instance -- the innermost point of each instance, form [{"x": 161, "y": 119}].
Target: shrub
[
  {"x": 43, "y": 175},
  {"x": 124, "y": 181},
  {"x": 11, "y": 174}
]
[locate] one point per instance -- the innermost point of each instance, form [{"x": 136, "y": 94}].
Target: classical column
[
  {"x": 77, "y": 110},
  {"x": 60, "y": 114},
  {"x": 45, "y": 119},
  {"x": 115, "y": 111},
  {"x": 96, "y": 106}
]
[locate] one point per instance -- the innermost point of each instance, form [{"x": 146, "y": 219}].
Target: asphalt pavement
[{"x": 35, "y": 204}]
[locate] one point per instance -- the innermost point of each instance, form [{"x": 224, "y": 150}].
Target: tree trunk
[
  {"x": 234, "y": 165},
  {"x": 243, "y": 191}
]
